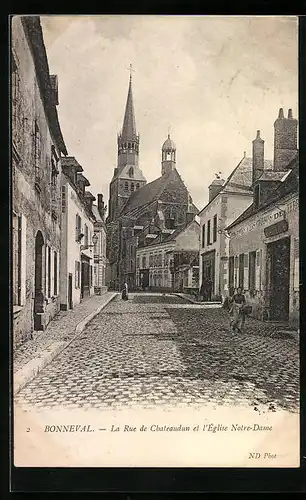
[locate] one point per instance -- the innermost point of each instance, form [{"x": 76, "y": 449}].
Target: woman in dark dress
[
  {"x": 238, "y": 316},
  {"x": 125, "y": 295}
]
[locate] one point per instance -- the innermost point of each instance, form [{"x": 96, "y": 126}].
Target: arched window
[
  {"x": 126, "y": 186},
  {"x": 129, "y": 145},
  {"x": 137, "y": 185},
  {"x": 132, "y": 187},
  {"x": 131, "y": 172}
]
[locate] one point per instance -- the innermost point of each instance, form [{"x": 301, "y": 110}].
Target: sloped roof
[
  {"x": 271, "y": 175},
  {"x": 138, "y": 175},
  {"x": 150, "y": 193},
  {"x": 34, "y": 34},
  {"x": 174, "y": 234},
  {"x": 70, "y": 161},
  {"x": 240, "y": 180},
  {"x": 96, "y": 213},
  {"x": 283, "y": 189},
  {"x": 146, "y": 194},
  {"x": 129, "y": 123}
]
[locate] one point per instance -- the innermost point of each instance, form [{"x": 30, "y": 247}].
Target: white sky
[{"x": 213, "y": 80}]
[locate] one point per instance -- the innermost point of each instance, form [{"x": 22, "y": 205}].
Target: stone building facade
[
  {"x": 168, "y": 260},
  {"x": 134, "y": 204},
  {"x": 77, "y": 230},
  {"x": 37, "y": 145},
  {"x": 264, "y": 240},
  {"x": 227, "y": 200}
]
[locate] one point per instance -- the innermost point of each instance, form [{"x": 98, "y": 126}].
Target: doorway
[
  {"x": 85, "y": 277},
  {"x": 38, "y": 282},
  {"x": 278, "y": 269},
  {"x": 70, "y": 304},
  {"x": 208, "y": 273}
]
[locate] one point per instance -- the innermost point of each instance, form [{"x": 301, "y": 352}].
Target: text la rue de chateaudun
[{"x": 209, "y": 427}]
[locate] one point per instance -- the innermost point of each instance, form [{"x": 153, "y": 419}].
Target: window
[
  {"x": 241, "y": 270},
  {"x": 203, "y": 235},
  {"x": 90, "y": 275},
  {"x": 137, "y": 262},
  {"x": 132, "y": 187},
  {"x": 126, "y": 186},
  {"x": 37, "y": 152},
  {"x": 86, "y": 235},
  {"x": 16, "y": 260},
  {"x": 78, "y": 227},
  {"x": 131, "y": 172},
  {"x": 252, "y": 264},
  {"x": 208, "y": 232},
  {"x": 54, "y": 170},
  {"x": 63, "y": 199},
  {"x": 55, "y": 274},
  {"x": 137, "y": 185},
  {"x": 215, "y": 228},
  {"x": 49, "y": 272},
  {"x": 144, "y": 262}
]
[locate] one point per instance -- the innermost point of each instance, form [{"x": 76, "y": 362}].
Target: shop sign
[{"x": 277, "y": 228}]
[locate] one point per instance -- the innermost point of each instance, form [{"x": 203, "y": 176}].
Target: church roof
[
  {"x": 129, "y": 123},
  {"x": 150, "y": 193},
  {"x": 138, "y": 175},
  {"x": 168, "y": 144},
  {"x": 146, "y": 194}
]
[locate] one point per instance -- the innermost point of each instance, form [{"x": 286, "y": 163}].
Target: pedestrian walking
[
  {"x": 125, "y": 292},
  {"x": 237, "y": 311}
]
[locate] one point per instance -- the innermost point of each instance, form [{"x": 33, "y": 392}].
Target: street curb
[
  {"x": 33, "y": 367},
  {"x": 195, "y": 302}
]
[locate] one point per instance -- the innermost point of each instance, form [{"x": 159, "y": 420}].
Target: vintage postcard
[{"x": 155, "y": 230}]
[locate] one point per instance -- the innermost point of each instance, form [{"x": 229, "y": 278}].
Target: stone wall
[{"x": 38, "y": 206}]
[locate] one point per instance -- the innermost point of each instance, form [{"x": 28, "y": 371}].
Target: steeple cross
[{"x": 130, "y": 69}]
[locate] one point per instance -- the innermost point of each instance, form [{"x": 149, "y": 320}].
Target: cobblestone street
[{"x": 160, "y": 350}]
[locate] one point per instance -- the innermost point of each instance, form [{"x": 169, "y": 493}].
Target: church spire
[
  {"x": 128, "y": 140},
  {"x": 129, "y": 123}
]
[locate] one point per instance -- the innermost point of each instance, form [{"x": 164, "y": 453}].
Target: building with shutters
[
  {"x": 37, "y": 145},
  {"x": 227, "y": 200},
  {"x": 134, "y": 203},
  {"x": 264, "y": 239},
  {"x": 77, "y": 231},
  {"x": 168, "y": 260}
]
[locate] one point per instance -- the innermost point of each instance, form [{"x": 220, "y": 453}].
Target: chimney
[
  {"x": 285, "y": 140},
  {"x": 258, "y": 156},
  {"x": 215, "y": 188},
  {"x": 101, "y": 209},
  {"x": 54, "y": 87}
]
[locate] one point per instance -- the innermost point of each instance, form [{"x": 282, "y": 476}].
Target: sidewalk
[{"x": 32, "y": 356}]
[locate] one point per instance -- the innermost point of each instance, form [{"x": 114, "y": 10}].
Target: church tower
[
  {"x": 168, "y": 156},
  {"x": 127, "y": 177}
]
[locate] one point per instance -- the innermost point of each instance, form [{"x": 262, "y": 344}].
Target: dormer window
[{"x": 131, "y": 172}]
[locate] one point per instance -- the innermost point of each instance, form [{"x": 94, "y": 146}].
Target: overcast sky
[{"x": 213, "y": 80}]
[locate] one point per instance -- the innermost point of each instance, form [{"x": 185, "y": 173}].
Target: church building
[{"x": 137, "y": 207}]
